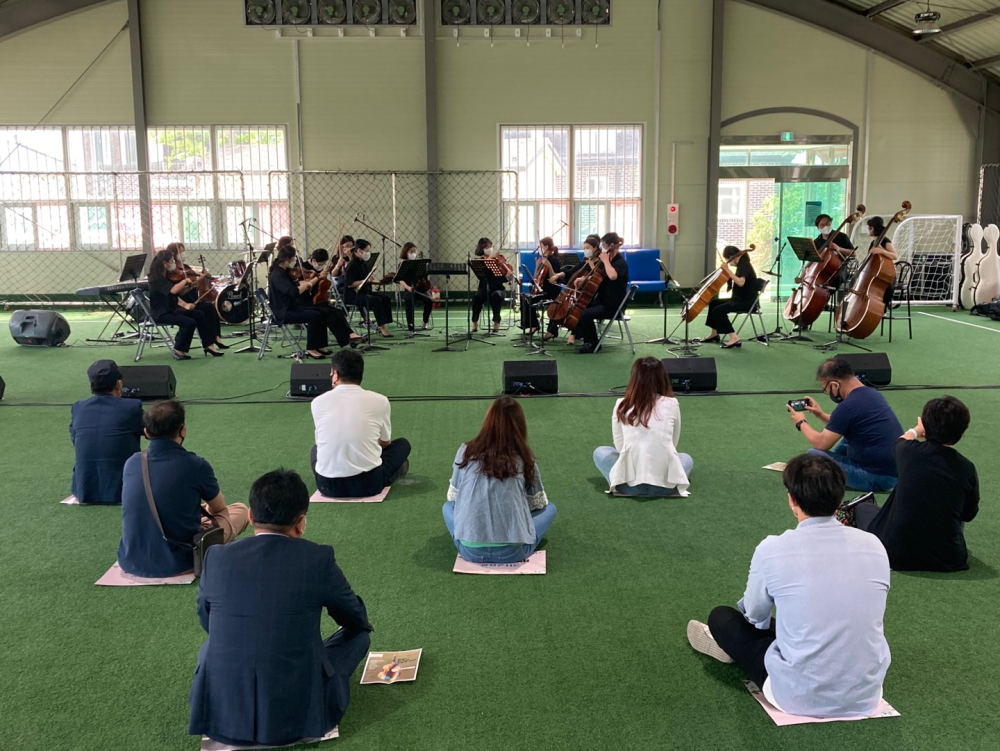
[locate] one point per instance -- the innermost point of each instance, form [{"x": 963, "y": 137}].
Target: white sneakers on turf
[{"x": 700, "y": 639}]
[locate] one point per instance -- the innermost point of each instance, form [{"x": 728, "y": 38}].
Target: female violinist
[
  {"x": 409, "y": 253},
  {"x": 190, "y": 300},
  {"x": 359, "y": 291},
  {"x": 164, "y": 307},
  {"x": 545, "y": 286},
  {"x": 743, "y": 282},
  {"x": 492, "y": 290},
  {"x": 286, "y": 300},
  {"x": 339, "y": 271},
  {"x": 610, "y": 294}
]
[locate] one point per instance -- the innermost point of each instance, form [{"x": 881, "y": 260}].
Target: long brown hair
[
  {"x": 501, "y": 448},
  {"x": 405, "y": 251},
  {"x": 158, "y": 268},
  {"x": 548, "y": 244},
  {"x": 648, "y": 382}
]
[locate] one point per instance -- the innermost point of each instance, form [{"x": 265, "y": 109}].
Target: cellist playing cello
[
  {"x": 609, "y": 295},
  {"x": 744, "y": 285}
]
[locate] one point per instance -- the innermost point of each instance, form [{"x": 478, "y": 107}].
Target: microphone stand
[
  {"x": 667, "y": 279},
  {"x": 249, "y": 282},
  {"x": 779, "y": 333},
  {"x": 360, "y": 219}
]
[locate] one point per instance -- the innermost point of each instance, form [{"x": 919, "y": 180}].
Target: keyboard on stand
[{"x": 108, "y": 290}]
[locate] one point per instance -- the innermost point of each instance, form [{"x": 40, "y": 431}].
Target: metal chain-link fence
[
  {"x": 64, "y": 231},
  {"x": 443, "y": 213},
  {"x": 989, "y": 194}
]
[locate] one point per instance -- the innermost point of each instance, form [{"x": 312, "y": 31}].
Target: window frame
[
  {"x": 741, "y": 188},
  {"x": 604, "y": 205}
]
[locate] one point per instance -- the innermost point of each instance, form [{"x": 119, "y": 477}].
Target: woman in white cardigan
[{"x": 646, "y": 425}]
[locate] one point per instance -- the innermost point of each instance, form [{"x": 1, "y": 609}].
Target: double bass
[
  {"x": 711, "y": 285},
  {"x": 864, "y": 305},
  {"x": 810, "y": 298}
]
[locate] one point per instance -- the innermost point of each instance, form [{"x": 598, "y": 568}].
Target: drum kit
[{"x": 232, "y": 295}]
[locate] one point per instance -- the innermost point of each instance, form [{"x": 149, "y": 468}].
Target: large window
[
  {"x": 573, "y": 181},
  {"x": 76, "y": 188}
]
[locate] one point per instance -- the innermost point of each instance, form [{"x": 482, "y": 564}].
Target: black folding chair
[{"x": 621, "y": 319}]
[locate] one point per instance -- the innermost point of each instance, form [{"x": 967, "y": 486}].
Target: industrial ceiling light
[{"x": 926, "y": 23}]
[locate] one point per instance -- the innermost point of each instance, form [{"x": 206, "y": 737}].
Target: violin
[
  {"x": 542, "y": 269},
  {"x": 323, "y": 286},
  {"x": 711, "y": 285},
  {"x": 205, "y": 283},
  {"x": 809, "y": 300},
  {"x": 864, "y": 305}
]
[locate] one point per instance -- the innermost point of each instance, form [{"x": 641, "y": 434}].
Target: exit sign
[{"x": 787, "y": 136}]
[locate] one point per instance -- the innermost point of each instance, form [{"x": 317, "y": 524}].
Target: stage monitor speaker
[
  {"x": 871, "y": 368},
  {"x": 530, "y": 377},
  {"x": 309, "y": 380},
  {"x": 692, "y": 373},
  {"x": 148, "y": 382},
  {"x": 38, "y": 328}
]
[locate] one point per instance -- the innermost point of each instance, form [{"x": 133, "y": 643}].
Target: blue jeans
[
  {"x": 505, "y": 553},
  {"x": 857, "y": 478},
  {"x": 605, "y": 458}
]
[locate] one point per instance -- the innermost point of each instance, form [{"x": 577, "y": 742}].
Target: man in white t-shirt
[{"x": 354, "y": 455}]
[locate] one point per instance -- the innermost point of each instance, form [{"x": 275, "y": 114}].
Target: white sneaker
[{"x": 700, "y": 639}]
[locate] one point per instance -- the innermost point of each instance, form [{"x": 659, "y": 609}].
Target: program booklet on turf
[{"x": 391, "y": 667}]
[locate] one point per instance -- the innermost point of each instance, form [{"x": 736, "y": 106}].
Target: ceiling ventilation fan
[
  {"x": 596, "y": 11},
  {"x": 260, "y": 12},
  {"x": 367, "y": 12},
  {"x": 296, "y": 12},
  {"x": 525, "y": 12},
  {"x": 490, "y": 12},
  {"x": 403, "y": 12},
  {"x": 456, "y": 12},
  {"x": 332, "y": 11},
  {"x": 561, "y": 12}
]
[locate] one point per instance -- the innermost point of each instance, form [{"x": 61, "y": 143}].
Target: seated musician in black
[
  {"x": 492, "y": 290},
  {"x": 287, "y": 306},
  {"x": 163, "y": 296},
  {"x": 876, "y": 229},
  {"x": 591, "y": 248},
  {"x": 191, "y": 300},
  {"x": 410, "y": 295},
  {"x": 339, "y": 271},
  {"x": 838, "y": 242},
  {"x": 609, "y": 295},
  {"x": 359, "y": 292},
  {"x": 743, "y": 283},
  {"x": 316, "y": 263},
  {"x": 550, "y": 289}
]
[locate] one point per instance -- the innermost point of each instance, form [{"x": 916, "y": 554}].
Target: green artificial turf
[{"x": 591, "y": 655}]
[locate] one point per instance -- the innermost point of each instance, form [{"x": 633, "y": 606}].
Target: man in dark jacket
[
  {"x": 105, "y": 430},
  {"x": 265, "y": 675}
]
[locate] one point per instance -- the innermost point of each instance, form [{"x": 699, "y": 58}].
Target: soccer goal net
[{"x": 933, "y": 245}]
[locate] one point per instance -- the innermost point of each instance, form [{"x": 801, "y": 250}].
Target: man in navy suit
[
  {"x": 265, "y": 674},
  {"x": 105, "y": 430}
]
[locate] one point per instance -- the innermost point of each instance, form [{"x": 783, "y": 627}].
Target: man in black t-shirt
[
  {"x": 745, "y": 290},
  {"x": 922, "y": 523},
  {"x": 609, "y": 295}
]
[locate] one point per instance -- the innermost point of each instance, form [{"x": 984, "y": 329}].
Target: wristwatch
[{"x": 798, "y": 425}]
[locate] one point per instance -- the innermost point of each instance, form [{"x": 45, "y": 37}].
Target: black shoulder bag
[{"x": 200, "y": 542}]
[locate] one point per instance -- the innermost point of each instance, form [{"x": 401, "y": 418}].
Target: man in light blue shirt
[{"x": 825, "y": 654}]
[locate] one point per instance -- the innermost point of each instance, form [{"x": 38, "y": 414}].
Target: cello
[
  {"x": 864, "y": 305},
  {"x": 810, "y": 298},
  {"x": 711, "y": 285}
]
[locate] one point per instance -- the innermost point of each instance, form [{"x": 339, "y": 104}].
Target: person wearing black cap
[{"x": 105, "y": 430}]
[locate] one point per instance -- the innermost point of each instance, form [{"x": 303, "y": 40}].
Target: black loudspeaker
[
  {"x": 692, "y": 373},
  {"x": 530, "y": 377},
  {"x": 148, "y": 382},
  {"x": 872, "y": 368},
  {"x": 38, "y": 328},
  {"x": 309, "y": 379}
]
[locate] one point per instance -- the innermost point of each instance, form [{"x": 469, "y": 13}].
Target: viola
[
  {"x": 205, "y": 283},
  {"x": 711, "y": 285},
  {"x": 864, "y": 305},
  {"x": 323, "y": 286},
  {"x": 810, "y": 298}
]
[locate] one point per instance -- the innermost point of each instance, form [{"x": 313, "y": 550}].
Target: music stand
[
  {"x": 249, "y": 281},
  {"x": 411, "y": 272},
  {"x": 666, "y": 290},
  {"x": 485, "y": 270},
  {"x": 687, "y": 350},
  {"x": 368, "y": 346},
  {"x": 805, "y": 250},
  {"x": 447, "y": 270}
]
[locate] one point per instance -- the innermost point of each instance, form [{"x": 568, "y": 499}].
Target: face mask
[
  {"x": 835, "y": 398},
  {"x": 588, "y": 253},
  {"x": 411, "y": 256},
  {"x": 366, "y": 255},
  {"x": 488, "y": 251},
  {"x": 171, "y": 266},
  {"x": 825, "y": 230}
]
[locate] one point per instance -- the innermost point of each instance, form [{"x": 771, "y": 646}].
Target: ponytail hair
[
  {"x": 548, "y": 243},
  {"x": 612, "y": 238}
]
